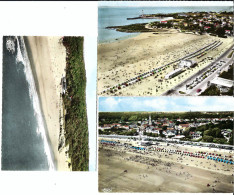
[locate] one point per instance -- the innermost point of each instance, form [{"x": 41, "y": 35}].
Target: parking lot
[{"x": 197, "y": 83}]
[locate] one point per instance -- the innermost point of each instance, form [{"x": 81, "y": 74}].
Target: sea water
[
  {"x": 117, "y": 16},
  {"x": 24, "y": 141}
]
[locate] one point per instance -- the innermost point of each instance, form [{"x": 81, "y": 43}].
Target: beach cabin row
[
  {"x": 220, "y": 160},
  {"x": 183, "y": 153},
  {"x": 173, "y": 73},
  {"x": 138, "y": 148},
  {"x": 200, "y": 51},
  {"x": 105, "y": 142},
  {"x": 211, "y": 47},
  {"x": 136, "y": 79}
]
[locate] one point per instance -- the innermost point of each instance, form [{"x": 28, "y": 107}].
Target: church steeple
[{"x": 150, "y": 122}]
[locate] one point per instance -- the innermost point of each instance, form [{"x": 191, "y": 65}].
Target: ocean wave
[{"x": 22, "y": 56}]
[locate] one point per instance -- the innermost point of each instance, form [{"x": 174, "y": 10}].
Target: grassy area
[
  {"x": 227, "y": 74},
  {"x": 131, "y": 28},
  {"x": 181, "y": 92},
  {"x": 118, "y": 131},
  {"x": 214, "y": 91},
  {"x": 211, "y": 91},
  {"x": 76, "y": 125}
]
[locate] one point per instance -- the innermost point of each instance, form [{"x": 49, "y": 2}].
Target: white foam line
[{"x": 23, "y": 57}]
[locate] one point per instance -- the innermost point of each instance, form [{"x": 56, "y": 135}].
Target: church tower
[{"x": 150, "y": 122}]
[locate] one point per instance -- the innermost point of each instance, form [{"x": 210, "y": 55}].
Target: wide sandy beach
[
  {"x": 48, "y": 59},
  {"x": 125, "y": 59},
  {"x": 122, "y": 170}
]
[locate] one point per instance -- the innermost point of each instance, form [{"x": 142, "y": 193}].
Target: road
[
  {"x": 203, "y": 85},
  {"x": 182, "y": 86}
]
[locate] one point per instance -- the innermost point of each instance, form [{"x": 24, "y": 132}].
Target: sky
[
  {"x": 165, "y": 104},
  {"x": 165, "y": 3}
]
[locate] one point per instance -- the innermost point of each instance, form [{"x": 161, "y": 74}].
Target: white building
[
  {"x": 173, "y": 73},
  {"x": 64, "y": 85},
  {"x": 187, "y": 64},
  {"x": 178, "y": 137},
  {"x": 223, "y": 84}
]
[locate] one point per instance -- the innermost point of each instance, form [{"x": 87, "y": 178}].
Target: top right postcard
[{"x": 177, "y": 50}]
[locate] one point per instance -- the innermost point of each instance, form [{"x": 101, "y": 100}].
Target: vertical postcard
[{"x": 44, "y": 113}]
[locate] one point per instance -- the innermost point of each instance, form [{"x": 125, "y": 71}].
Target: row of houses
[{"x": 207, "y": 22}]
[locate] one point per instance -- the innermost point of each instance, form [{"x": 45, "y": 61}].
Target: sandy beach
[
  {"x": 48, "y": 59},
  {"x": 123, "y": 170},
  {"x": 122, "y": 60}
]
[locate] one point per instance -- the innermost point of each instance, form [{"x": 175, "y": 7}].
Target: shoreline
[
  {"x": 48, "y": 61},
  {"x": 30, "y": 57},
  {"x": 128, "y": 36}
]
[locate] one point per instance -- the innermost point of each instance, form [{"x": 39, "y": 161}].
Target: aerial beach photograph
[
  {"x": 165, "y": 145},
  {"x": 145, "y": 49},
  {"x": 44, "y": 112}
]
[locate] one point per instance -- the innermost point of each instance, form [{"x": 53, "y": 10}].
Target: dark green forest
[{"x": 76, "y": 125}]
